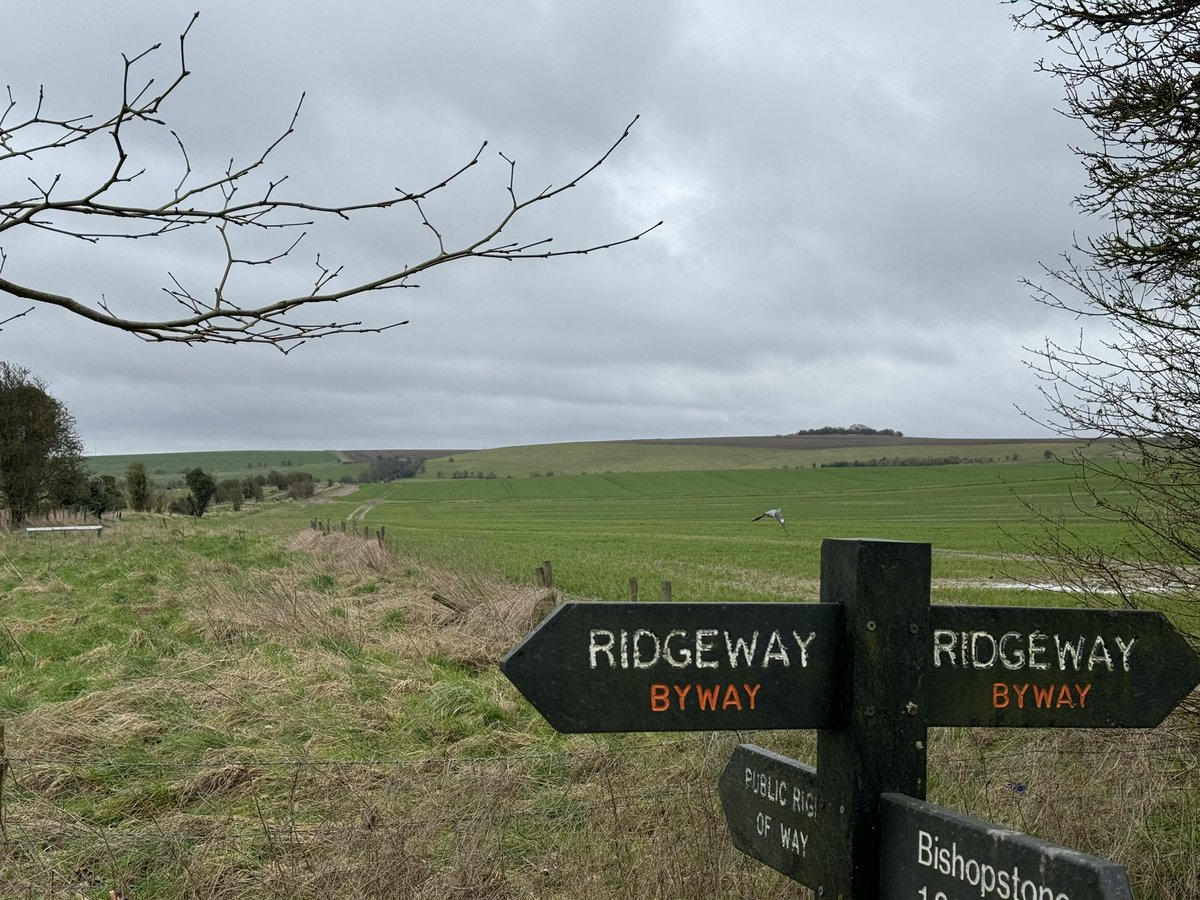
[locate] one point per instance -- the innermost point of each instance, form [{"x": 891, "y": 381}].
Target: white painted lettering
[
  {"x": 1125, "y": 649},
  {"x": 982, "y": 876},
  {"x": 704, "y": 644},
  {"x": 990, "y": 650},
  {"x": 943, "y": 645},
  {"x": 1099, "y": 655},
  {"x": 639, "y": 641},
  {"x": 739, "y": 648},
  {"x": 803, "y": 645},
  {"x": 804, "y": 802},
  {"x": 1015, "y": 659},
  {"x": 1069, "y": 652},
  {"x": 793, "y": 839},
  {"x": 1037, "y": 649},
  {"x": 775, "y": 651},
  {"x": 924, "y": 848},
  {"x": 703, "y": 648},
  {"x": 601, "y": 641},
  {"x": 762, "y": 824},
  {"x": 684, "y": 659}
]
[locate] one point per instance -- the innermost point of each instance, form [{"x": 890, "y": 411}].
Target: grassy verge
[{"x": 214, "y": 710}]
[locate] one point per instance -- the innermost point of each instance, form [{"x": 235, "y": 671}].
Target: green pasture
[
  {"x": 695, "y": 530},
  {"x": 164, "y": 468},
  {"x": 237, "y": 706},
  {"x": 634, "y": 456},
  {"x": 594, "y": 457}
]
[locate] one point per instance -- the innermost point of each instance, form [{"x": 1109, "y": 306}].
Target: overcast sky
[{"x": 851, "y": 194}]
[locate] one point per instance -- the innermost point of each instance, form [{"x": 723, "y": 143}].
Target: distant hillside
[
  {"x": 833, "y": 441},
  {"x": 738, "y": 452},
  {"x": 646, "y": 455},
  {"x": 167, "y": 468}
]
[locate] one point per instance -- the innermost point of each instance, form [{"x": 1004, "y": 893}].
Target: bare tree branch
[
  {"x": 1131, "y": 72},
  {"x": 234, "y": 205}
]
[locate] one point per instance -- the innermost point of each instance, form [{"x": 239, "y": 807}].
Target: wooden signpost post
[{"x": 872, "y": 666}]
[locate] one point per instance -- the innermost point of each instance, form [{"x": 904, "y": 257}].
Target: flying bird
[{"x": 776, "y": 514}]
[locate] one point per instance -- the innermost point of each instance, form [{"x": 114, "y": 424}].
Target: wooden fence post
[
  {"x": 664, "y": 593},
  {"x": 633, "y": 589}
]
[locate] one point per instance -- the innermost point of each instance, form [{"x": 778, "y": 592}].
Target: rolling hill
[{"x": 645, "y": 455}]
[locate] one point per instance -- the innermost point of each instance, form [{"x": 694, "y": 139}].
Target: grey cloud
[{"x": 851, "y": 196}]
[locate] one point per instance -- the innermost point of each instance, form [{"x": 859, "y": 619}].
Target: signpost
[
  {"x": 1010, "y": 666},
  {"x": 597, "y": 667},
  {"x": 872, "y": 666},
  {"x": 771, "y": 806},
  {"x": 934, "y": 853}
]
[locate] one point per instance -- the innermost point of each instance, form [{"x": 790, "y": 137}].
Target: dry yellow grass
[{"x": 323, "y": 727}]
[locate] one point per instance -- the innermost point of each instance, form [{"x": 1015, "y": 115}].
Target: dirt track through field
[{"x": 359, "y": 513}]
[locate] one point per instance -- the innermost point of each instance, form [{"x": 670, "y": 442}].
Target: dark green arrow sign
[
  {"x": 597, "y": 667},
  {"x": 933, "y": 853},
  {"x": 1059, "y": 668},
  {"x": 770, "y": 804}
]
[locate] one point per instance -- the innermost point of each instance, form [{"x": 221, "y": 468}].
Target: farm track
[{"x": 359, "y": 513}]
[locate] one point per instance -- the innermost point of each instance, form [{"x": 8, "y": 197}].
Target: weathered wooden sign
[
  {"x": 770, "y": 804},
  {"x": 1061, "y": 668},
  {"x": 599, "y": 667},
  {"x": 933, "y": 853},
  {"x": 872, "y": 665}
]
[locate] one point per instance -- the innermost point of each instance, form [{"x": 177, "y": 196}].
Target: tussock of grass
[{"x": 1127, "y": 795}]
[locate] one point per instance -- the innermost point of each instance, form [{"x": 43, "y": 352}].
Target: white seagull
[{"x": 776, "y": 514}]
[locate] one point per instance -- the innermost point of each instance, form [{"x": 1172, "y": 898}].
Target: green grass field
[
  {"x": 599, "y": 457},
  {"x": 585, "y": 457},
  {"x": 165, "y": 468},
  {"x": 243, "y": 707},
  {"x": 695, "y": 530}
]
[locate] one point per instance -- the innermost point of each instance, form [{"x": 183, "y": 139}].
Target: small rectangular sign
[
  {"x": 603, "y": 667},
  {"x": 929, "y": 852},
  {"x": 1014, "y": 666},
  {"x": 770, "y": 804}
]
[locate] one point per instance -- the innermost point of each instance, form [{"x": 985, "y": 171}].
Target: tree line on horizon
[
  {"x": 848, "y": 429},
  {"x": 42, "y": 467}
]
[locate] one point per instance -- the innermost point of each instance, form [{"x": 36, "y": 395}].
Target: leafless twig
[{"x": 235, "y": 206}]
